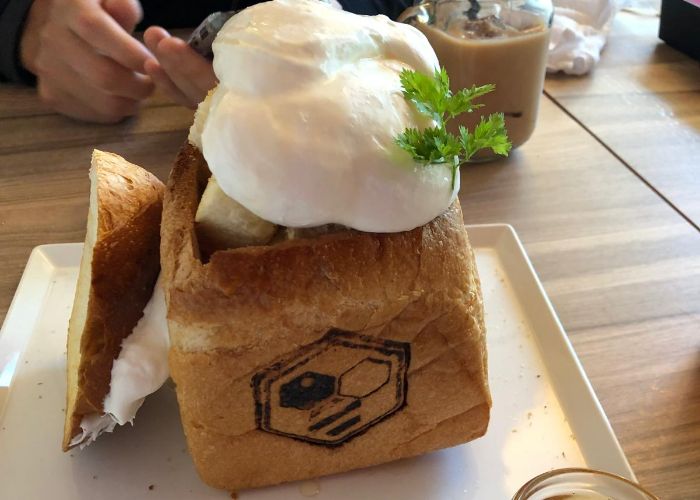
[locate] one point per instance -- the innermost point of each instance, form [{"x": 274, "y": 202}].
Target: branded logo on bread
[{"x": 334, "y": 389}]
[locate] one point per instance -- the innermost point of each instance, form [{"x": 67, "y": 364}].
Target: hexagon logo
[{"x": 334, "y": 389}]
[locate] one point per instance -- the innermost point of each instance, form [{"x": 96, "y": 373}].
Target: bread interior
[
  {"x": 224, "y": 224},
  {"x": 78, "y": 317}
]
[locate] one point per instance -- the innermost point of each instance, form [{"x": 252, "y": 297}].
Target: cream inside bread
[
  {"x": 142, "y": 365},
  {"x": 140, "y": 370},
  {"x": 300, "y": 130}
]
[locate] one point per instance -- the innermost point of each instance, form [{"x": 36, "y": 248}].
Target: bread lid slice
[{"x": 118, "y": 270}]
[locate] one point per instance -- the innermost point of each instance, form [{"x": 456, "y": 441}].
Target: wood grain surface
[
  {"x": 643, "y": 101},
  {"x": 616, "y": 255},
  {"x": 622, "y": 268}
]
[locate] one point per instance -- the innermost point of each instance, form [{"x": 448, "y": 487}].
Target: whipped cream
[
  {"x": 140, "y": 370},
  {"x": 301, "y": 128}
]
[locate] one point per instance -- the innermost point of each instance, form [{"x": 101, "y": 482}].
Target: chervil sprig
[{"x": 432, "y": 97}]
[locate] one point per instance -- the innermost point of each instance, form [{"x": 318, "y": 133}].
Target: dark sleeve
[
  {"x": 173, "y": 14},
  {"x": 390, "y": 8},
  {"x": 12, "y": 16},
  {"x": 188, "y": 14}
]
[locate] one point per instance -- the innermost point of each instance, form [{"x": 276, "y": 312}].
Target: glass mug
[
  {"x": 500, "y": 42},
  {"x": 581, "y": 484}
]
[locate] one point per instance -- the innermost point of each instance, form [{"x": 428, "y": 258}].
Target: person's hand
[
  {"x": 87, "y": 64},
  {"x": 179, "y": 72}
]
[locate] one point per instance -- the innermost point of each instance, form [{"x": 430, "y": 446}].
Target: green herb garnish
[{"x": 432, "y": 97}]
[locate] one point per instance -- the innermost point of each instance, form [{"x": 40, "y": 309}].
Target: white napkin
[{"x": 579, "y": 31}]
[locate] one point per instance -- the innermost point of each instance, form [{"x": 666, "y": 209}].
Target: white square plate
[{"x": 545, "y": 414}]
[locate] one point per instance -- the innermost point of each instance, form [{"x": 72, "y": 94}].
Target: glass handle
[{"x": 416, "y": 14}]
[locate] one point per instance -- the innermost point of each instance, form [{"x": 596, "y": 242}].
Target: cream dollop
[
  {"x": 140, "y": 369},
  {"x": 301, "y": 127}
]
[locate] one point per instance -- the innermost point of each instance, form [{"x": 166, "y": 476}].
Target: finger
[
  {"x": 152, "y": 37},
  {"x": 99, "y": 30},
  {"x": 102, "y": 72},
  {"x": 99, "y": 109},
  {"x": 192, "y": 73},
  {"x": 127, "y": 13},
  {"x": 67, "y": 92},
  {"x": 64, "y": 103},
  {"x": 165, "y": 84}
]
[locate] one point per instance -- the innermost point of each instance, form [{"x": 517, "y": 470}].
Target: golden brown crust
[
  {"x": 125, "y": 265},
  {"x": 249, "y": 308}
]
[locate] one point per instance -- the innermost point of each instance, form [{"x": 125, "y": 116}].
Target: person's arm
[
  {"x": 87, "y": 64},
  {"x": 389, "y": 8},
  {"x": 12, "y": 16}
]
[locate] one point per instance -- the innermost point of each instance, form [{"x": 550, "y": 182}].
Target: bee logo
[{"x": 334, "y": 389}]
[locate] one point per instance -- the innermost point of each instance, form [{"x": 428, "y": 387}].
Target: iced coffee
[{"x": 501, "y": 46}]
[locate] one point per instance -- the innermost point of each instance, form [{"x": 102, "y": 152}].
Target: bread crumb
[
  {"x": 529, "y": 414},
  {"x": 563, "y": 454}
]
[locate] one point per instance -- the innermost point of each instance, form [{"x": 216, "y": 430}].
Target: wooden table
[
  {"x": 643, "y": 103},
  {"x": 612, "y": 234}
]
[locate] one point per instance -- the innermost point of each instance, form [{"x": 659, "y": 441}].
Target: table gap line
[
  {"x": 70, "y": 144},
  {"x": 553, "y": 95},
  {"x": 621, "y": 160},
  {"x": 52, "y": 113},
  {"x": 663, "y": 318}
]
